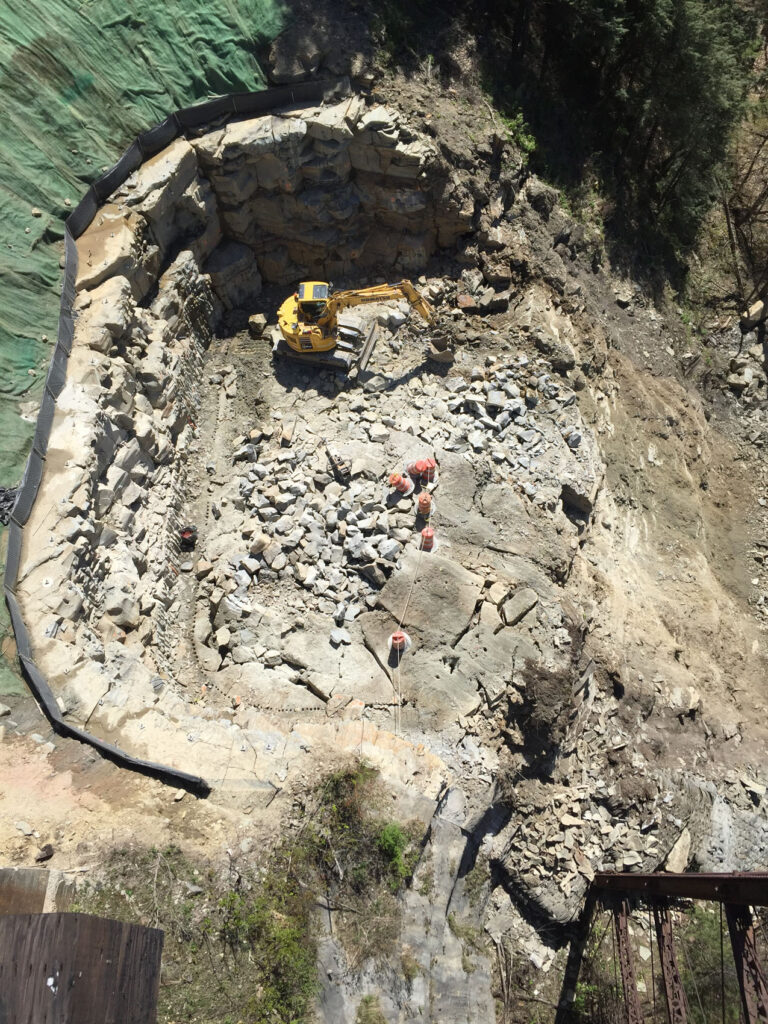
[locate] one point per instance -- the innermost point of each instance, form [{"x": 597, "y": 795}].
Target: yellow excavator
[{"x": 314, "y": 332}]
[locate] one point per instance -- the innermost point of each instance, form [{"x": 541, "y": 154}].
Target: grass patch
[
  {"x": 362, "y": 860},
  {"x": 427, "y": 882},
  {"x": 369, "y": 1011},
  {"x": 240, "y": 944},
  {"x": 467, "y": 933},
  {"x": 410, "y": 966},
  {"x": 519, "y": 132},
  {"x": 477, "y": 880}
]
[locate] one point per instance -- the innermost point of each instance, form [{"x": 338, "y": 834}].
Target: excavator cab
[{"x": 312, "y": 300}]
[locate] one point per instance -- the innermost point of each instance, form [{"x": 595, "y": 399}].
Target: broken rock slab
[
  {"x": 344, "y": 669},
  {"x": 492, "y": 660},
  {"x": 105, "y": 314},
  {"x": 434, "y": 598},
  {"x": 516, "y": 607},
  {"x": 267, "y": 688}
]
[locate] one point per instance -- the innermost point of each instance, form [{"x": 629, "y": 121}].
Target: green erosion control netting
[{"x": 78, "y": 81}]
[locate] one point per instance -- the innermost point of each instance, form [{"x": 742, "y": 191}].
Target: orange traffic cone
[
  {"x": 400, "y": 483},
  {"x": 423, "y": 470},
  {"x": 427, "y": 538},
  {"x": 399, "y": 641},
  {"x": 425, "y": 505}
]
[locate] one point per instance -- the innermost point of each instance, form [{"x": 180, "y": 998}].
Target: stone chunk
[
  {"x": 122, "y": 608},
  {"x": 753, "y": 316},
  {"x": 272, "y": 552},
  {"x": 242, "y": 655},
  {"x": 498, "y": 592},
  {"x": 518, "y": 605},
  {"x": 390, "y": 549},
  {"x": 108, "y": 316},
  {"x": 677, "y": 858},
  {"x": 259, "y": 543},
  {"x": 257, "y": 324},
  {"x": 755, "y": 789}
]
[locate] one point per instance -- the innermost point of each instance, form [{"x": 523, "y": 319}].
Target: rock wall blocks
[
  {"x": 105, "y": 314},
  {"x": 234, "y": 275},
  {"x": 115, "y": 243},
  {"x": 164, "y": 176},
  {"x": 336, "y": 122}
]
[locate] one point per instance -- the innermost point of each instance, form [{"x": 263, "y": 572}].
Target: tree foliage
[
  {"x": 642, "y": 95},
  {"x": 647, "y": 91}
]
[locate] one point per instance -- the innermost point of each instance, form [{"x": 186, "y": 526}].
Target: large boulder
[
  {"x": 105, "y": 315},
  {"x": 755, "y": 315}
]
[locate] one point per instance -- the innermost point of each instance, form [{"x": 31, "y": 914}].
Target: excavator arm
[{"x": 382, "y": 293}]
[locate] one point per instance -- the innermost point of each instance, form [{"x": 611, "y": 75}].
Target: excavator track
[
  {"x": 336, "y": 359},
  {"x": 352, "y": 351}
]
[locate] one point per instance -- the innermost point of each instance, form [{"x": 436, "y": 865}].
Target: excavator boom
[{"x": 384, "y": 293}]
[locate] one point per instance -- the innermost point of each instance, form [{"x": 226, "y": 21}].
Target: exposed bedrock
[
  {"x": 526, "y": 754},
  {"x": 309, "y": 192},
  {"x": 189, "y": 237}
]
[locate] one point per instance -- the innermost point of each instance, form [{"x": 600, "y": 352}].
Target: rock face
[
  {"x": 263, "y": 645},
  {"x": 320, "y": 192}
]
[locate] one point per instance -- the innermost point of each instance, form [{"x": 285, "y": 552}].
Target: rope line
[
  {"x": 397, "y": 680},
  {"x": 410, "y": 592}
]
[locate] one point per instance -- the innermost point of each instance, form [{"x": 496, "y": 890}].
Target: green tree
[{"x": 649, "y": 91}]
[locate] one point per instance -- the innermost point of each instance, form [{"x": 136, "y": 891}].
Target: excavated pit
[{"x": 263, "y": 652}]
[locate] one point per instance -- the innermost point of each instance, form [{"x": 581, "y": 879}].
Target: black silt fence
[{"x": 144, "y": 146}]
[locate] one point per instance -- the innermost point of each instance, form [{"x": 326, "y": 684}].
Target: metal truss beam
[
  {"x": 677, "y": 1006},
  {"x": 632, "y": 1011},
  {"x": 749, "y": 970},
  {"x": 748, "y": 888}
]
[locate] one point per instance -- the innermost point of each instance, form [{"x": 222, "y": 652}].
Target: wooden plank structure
[
  {"x": 34, "y": 891},
  {"x": 77, "y": 969}
]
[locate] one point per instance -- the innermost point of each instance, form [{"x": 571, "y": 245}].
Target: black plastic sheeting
[{"x": 142, "y": 148}]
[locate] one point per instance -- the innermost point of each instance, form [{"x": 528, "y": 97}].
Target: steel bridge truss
[{"x": 737, "y": 893}]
